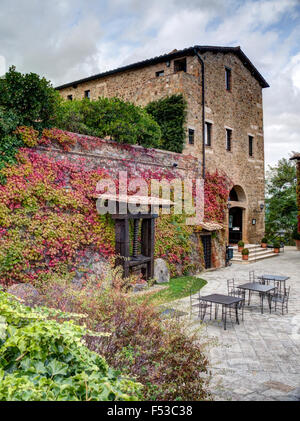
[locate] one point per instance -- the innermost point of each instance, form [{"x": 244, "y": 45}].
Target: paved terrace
[{"x": 260, "y": 358}]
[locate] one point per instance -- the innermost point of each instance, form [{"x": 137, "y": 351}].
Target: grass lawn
[{"x": 177, "y": 288}]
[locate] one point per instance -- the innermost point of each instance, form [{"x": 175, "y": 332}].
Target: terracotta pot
[
  {"x": 240, "y": 249},
  {"x": 264, "y": 245},
  {"x": 245, "y": 256},
  {"x": 298, "y": 244},
  {"x": 276, "y": 250}
]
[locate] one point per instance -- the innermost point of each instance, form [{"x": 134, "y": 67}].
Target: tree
[
  {"x": 30, "y": 97},
  {"x": 281, "y": 205}
]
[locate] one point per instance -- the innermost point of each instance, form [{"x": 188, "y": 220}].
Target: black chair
[
  {"x": 281, "y": 298},
  {"x": 232, "y": 289},
  {"x": 241, "y": 305},
  {"x": 200, "y": 306}
]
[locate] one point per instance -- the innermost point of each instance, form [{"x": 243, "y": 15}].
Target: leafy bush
[
  {"x": 122, "y": 121},
  {"x": 43, "y": 360},
  {"x": 170, "y": 114},
  {"x": 31, "y": 98},
  {"x": 276, "y": 245},
  {"x": 25, "y": 100},
  {"x": 245, "y": 252},
  {"x": 296, "y": 234},
  {"x": 241, "y": 244},
  {"x": 9, "y": 141},
  {"x": 170, "y": 363},
  {"x": 264, "y": 240}
]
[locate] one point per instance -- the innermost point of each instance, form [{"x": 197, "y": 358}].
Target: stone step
[
  {"x": 254, "y": 258},
  {"x": 255, "y": 252}
]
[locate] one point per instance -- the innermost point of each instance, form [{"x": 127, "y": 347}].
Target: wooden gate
[{"x": 206, "y": 241}]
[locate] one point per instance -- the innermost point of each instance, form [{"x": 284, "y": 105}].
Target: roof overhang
[{"x": 171, "y": 56}]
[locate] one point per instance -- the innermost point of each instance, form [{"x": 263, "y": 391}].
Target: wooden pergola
[{"x": 141, "y": 255}]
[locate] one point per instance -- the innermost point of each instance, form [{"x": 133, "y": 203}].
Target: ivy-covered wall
[{"x": 49, "y": 225}]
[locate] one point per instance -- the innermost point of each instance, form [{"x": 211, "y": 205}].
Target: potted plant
[
  {"x": 245, "y": 254},
  {"x": 264, "y": 243},
  {"x": 276, "y": 246},
  {"x": 296, "y": 237},
  {"x": 241, "y": 245}
]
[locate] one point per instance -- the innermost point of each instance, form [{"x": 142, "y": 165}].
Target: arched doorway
[{"x": 235, "y": 225}]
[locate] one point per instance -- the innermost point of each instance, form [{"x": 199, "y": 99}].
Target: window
[
  {"x": 208, "y": 127},
  {"x": 87, "y": 94},
  {"x": 250, "y": 145},
  {"x": 228, "y": 139},
  {"x": 160, "y": 73},
  {"x": 191, "y": 137},
  {"x": 228, "y": 78},
  {"x": 180, "y": 65},
  {"x": 70, "y": 97}
]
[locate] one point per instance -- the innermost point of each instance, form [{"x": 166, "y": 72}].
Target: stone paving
[{"x": 260, "y": 358}]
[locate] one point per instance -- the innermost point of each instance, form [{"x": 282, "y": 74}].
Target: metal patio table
[
  {"x": 262, "y": 289},
  {"x": 224, "y": 300},
  {"x": 276, "y": 279}
]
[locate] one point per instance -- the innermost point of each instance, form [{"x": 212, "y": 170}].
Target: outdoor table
[
  {"x": 262, "y": 289},
  {"x": 276, "y": 278},
  {"x": 224, "y": 300}
]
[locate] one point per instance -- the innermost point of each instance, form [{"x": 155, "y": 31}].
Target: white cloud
[{"x": 69, "y": 39}]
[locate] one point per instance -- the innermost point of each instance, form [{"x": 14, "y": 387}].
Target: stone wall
[{"x": 115, "y": 157}]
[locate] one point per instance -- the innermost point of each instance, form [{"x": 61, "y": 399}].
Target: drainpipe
[{"x": 203, "y": 110}]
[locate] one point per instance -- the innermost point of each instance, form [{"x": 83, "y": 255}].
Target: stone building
[{"x": 224, "y": 126}]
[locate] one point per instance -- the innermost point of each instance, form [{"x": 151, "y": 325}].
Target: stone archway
[{"x": 237, "y": 215}]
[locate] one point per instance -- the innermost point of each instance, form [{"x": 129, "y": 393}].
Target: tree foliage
[
  {"x": 281, "y": 205},
  {"x": 25, "y": 100},
  {"x": 170, "y": 114},
  {"x": 122, "y": 121},
  {"x": 30, "y": 97}
]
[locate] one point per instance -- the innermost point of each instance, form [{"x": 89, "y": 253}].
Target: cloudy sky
[{"x": 65, "y": 40}]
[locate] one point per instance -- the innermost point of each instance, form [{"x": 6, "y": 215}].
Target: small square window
[
  {"x": 160, "y": 73},
  {"x": 180, "y": 65},
  {"x": 70, "y": 97},
  {"x": 250, "y": 139},
  {"x": 87, "y": 94},
  {"x": 228, "y": 78},
  {"x": 228, "y": 139},
  {"x": 191, "y": 136},
  {"x": 208, "y": 129}
]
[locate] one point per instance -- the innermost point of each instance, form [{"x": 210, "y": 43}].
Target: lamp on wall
[
  {"x": 228, "y": 205},
  {"x": 262, "y": 207}
]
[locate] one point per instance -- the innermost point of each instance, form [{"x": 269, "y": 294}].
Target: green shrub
[
  {"x": 9, "y": 142},
  {"x": 264, "y": 240},
  {"x": 241, "y": 244},
  {"x": 122, "y": 121},
  {"x": 296, "y": 234},
  {"x": 276, "y": 245},
  {"x": 170, "y": 114},
  {"x": 245, "y": 252},
  {"x": 43, "y": 360},
  {"x": 166, "y": 357},
  {"x": 31, "y": 98}
]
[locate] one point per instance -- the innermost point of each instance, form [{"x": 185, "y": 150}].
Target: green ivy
[
  {"x": 170, "y": 114},
  {"x": 44, "y": 360}
]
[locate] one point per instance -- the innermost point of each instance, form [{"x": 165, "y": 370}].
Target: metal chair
[
  {"x": 232, "y": 289},
  {"x": 199, "y": 305},
  {"x": 241, "y": 305},
  {"x": 252, "y": 276},
  {"x": 281, "y": 298}
]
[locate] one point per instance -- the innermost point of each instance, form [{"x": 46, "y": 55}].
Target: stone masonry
[{"x": 239, "y": 109}]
